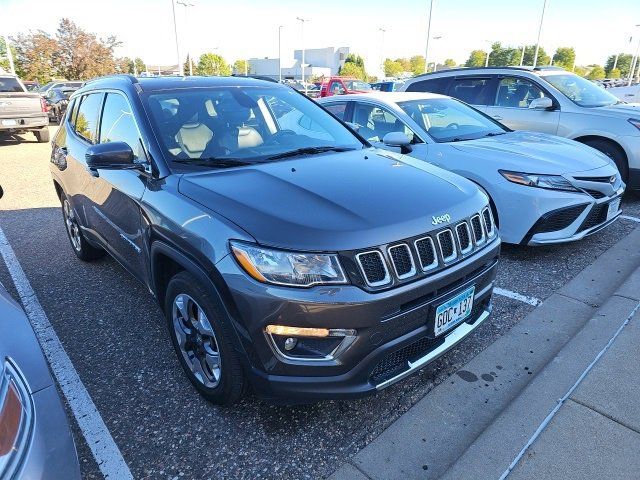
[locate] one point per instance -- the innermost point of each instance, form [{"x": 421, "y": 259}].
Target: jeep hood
[
  {"x": 334, "y": 201},
  {"x": 533, "y": 153}
]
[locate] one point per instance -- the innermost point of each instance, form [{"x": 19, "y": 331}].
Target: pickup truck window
[
  {"x": 87, "y": 120},
  {"x": 10, "y": 84}
]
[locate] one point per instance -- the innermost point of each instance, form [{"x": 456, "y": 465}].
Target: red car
[{"x": 342, "y": 86}]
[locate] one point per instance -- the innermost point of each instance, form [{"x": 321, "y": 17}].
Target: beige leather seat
[
  {"x": 240, "y": 137},
  {"x": 193, "y": 138}
]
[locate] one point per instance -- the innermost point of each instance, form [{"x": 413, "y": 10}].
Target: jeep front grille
[{"x": 409, "y": 259}]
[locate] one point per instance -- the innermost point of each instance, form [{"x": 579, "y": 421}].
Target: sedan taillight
[{"x": 16, "y": 419}]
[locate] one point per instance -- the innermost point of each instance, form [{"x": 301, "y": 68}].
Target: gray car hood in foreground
[
  {"x": 531, "y": 152},
  {"x": 337, "y": 201}
]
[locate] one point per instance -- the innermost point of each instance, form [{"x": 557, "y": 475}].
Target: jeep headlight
[
  {"x": 294, "y": 269},
  {"x": 551, "y": 182}
]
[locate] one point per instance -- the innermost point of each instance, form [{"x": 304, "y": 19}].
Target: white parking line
[
  {"x": 99, "y": 440},
  {"x": 516, "y": 296},
  {"x": 628, "y": 217}
]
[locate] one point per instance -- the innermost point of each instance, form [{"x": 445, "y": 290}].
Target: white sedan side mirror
[
  {"x": 541, "y": 103},
  {"x": 397, "y": 139}
]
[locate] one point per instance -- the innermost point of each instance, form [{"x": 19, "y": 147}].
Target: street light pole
[
  {"x": 175, "y": 31},
  {"x": 535, "y": 55},
  {"x": 186, "y": 23},
  {"x": 302, "y": 20},
  {"x": 426, "y": 50},
  {"x": 435, "y": 62},
  {"x": 634, "y": 61},
  {"x": 522, "y": 56},
  {"x": 280, "y": 54},
  {"x": 9, "y": 55},
  {"x": 383, "y": 30}
]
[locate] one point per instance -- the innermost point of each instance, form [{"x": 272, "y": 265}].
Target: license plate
[
  {"x": 614, "y": 206},
  {"x": 9, "y": 123},
  {"x": 454, "y": 311}
]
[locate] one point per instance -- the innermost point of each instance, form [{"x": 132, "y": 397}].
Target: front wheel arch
[{"x": 615, "y": 151}]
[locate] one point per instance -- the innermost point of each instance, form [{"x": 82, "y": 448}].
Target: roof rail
[
  {"x": 463, "y": 69},
  {"x": 548, "y": 67},
  {"x": 130, "y": 77},
  {"x": 256, "y": 77}
]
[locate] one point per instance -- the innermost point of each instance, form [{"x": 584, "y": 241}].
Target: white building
[{"x": 319, "y": 62}]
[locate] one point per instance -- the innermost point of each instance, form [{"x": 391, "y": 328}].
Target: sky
[{"x": 240, "y": 29}]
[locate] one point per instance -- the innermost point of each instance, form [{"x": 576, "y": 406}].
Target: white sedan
[{"x": 544, "y": 189}]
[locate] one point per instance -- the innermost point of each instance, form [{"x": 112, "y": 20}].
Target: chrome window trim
[
  {"x": 492, "y": 232},
  {"x": 348, "y": 337},
  {"x": 411, "y": 272},
  {"x": 470, "y": 247},
  {"x": 454, "y": 255},
  {"x": 434, "y": 264},
  {"x": 483, "y": 238},
  {"x": 387, "y": 277}
]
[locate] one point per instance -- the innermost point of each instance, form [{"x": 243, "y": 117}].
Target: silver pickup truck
[{"x": 22, "y": 111}]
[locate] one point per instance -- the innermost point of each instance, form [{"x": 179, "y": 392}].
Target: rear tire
[
  {"x": 614, "y": 152},
  {"x": 81, "y": 247},
  {"x": 201, "y": 333},
  {"x": 42, "y": 135}
]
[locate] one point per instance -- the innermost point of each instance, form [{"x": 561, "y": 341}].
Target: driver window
[
  {"x": 516, "y": 93},
  {"x": 374, "y": 123}
]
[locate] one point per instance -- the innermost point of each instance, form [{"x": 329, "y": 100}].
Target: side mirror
[
  {"x": 110, "y": 156},
  {"x": 543, "y": 103},
  {"x": 397, "y": 139}
]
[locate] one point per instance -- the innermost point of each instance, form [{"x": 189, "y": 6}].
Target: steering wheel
[
  {"x": 453, "y": 126},
  {"x": 279, "y": 135}
]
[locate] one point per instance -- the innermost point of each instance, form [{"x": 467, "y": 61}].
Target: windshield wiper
[
  {"x": 494, "y": 134},
  {"x": 308, "y": 151},
  {"x": 213, "y": 162}
]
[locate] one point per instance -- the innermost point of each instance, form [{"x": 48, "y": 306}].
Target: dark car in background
[
  {"x": 35, "y": 438},
  {"x": 57, "y": 100},
  {"x": 299, "y": 260},
  {"x": 60, "y": 84},
  {"x": 31, "y": 86}
]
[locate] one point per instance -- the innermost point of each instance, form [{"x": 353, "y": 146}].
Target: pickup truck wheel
[
  {"x": 200, "y": 332},
  {"x": 614, "y": 152},
  {"x": 83, "y": 250},
  {"x": 42, "y": 135}
]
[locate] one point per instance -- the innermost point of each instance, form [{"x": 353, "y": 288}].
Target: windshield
[
  {"x": 45, "y": 87},
  {"x": 231, "y": 126},
  {"x": 357, "y": 85},
  {"x": 448, "y": 120},
  {"x": 581, "y": 91}
]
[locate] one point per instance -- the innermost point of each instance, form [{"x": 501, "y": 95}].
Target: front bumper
[{"x": 394, "y": 328}]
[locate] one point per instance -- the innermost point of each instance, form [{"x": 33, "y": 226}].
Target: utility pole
[
  {"x": 186, "y": 27},
  {"x": 175, "y": 31},
  {"x": 302, "y": 20},
  {"x": 280, "y": 54},
  {"x": 535, "y": 56},
  {"x": 426, "y": 50}
]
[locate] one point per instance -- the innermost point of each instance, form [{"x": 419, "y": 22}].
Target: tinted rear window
[
  {"x": 434, "y": 85},
  {"x": 10, "y": 84},
  {"x": 475, "y": 91}
]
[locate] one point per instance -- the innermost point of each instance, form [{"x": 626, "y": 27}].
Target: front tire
[
  {"x": 201, "y": 333},
  {"x": 614, "y": 152},
  {"x": 83, "y": 249}
]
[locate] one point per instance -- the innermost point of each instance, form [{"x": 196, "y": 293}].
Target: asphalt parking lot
[{"x": 115, "y": 336}]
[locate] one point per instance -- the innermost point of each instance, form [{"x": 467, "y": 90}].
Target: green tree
[
  {"x": 392, "y": 68},
  {"x": 565, "y": 57},
  {"x": 503, "y": 56},
  {"x": 623, "y": 64},
  {"x": 354, "y": 67},
  {"x": 450, "y": 63},
  {"x": 212, "y": 64},
  {"x": 596, "y": 73},
  {"x": 529, "y": 54},
  {"x": 581, "y": 71},
  {"x": 417, "y": 63},
  {"x": 241, "y": 66},
  {"x": 476, "y": 59},
  {"x": 406, "y": 64},
  {"x": 614, "y": 73}
]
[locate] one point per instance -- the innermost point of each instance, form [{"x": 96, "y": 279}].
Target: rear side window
[
  {"x": 117, "y": 123},
  {"x": 433, "y": 85},
  {"x": 10, "y": 84},
  {"x": 86, "y": 122},
  {"x": 475, "y": 91},
  {"x": 338, "y": 109}
]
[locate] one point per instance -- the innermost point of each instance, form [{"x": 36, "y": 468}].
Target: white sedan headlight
[
  {"x": 294, "y": 269},
  {"x": 551, "y": 182}
]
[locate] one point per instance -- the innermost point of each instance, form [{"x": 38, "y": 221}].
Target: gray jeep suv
[{"x": 287, "y": 254}]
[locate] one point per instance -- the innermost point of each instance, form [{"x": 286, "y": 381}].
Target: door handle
[{"x": 497, "y": 117}]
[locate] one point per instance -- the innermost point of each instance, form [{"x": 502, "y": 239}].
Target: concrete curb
[{"x": 450, "y": 426}]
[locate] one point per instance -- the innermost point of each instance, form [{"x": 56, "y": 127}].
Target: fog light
[
  {"x": 309, "y": 343},
  {"x": 290, "y": 343}
]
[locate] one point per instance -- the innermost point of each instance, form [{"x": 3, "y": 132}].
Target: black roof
[{"x": 172, "y": 81}]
